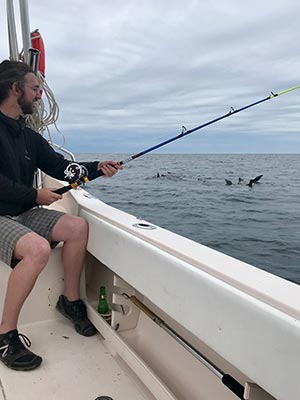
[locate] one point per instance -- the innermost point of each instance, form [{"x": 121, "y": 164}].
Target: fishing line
[{"x": 184, "y": 132}]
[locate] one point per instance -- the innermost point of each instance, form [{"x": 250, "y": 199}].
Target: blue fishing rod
[{"x": 84, "y": 178}]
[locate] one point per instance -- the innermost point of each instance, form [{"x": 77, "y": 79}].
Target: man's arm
[{"x": 15, "y": 192}]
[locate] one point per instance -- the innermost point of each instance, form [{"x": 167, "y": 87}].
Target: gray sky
[{"x": 128, "y": 74}]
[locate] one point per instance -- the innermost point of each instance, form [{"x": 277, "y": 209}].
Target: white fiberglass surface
[{"x": 74, "y": 367}]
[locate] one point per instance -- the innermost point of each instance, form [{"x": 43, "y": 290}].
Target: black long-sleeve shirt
[{"x": 22, "y": 150}]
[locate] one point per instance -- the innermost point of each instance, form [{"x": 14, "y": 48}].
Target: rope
[{"x": 45, "y": 115}]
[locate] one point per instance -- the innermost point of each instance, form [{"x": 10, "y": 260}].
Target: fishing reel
[{"x": 75, "y": 172}]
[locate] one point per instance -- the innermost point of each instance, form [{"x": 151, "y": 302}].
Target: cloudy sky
[{"x": 128, "y": 74}]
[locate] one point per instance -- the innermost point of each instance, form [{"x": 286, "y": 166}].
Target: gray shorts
[{"x": 38, "y": 220}]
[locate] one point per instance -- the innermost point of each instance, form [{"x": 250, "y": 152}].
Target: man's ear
[{"x": 15, "y": 88}]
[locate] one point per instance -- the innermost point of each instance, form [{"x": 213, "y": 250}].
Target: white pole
[
  {"x": 24, "y": 14},
  {"x": 12, "y": 34}
]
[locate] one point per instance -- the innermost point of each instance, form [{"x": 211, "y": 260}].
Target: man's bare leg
[
  {"x": 73, "y": 231},
  {"x": 33, "y": 251}
]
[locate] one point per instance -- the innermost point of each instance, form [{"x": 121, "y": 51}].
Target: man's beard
[{"x": 26, "y": 106}]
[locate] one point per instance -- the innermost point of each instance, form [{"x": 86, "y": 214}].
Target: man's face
[{"x": 29, "y": 93}]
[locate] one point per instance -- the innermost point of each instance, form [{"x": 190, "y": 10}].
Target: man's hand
[
  {"x": 45, "y": 197},
  {"x": 109, "y": 168}
]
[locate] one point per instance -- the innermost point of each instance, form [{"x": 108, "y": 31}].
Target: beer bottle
[{"x": 102, "y": 305}]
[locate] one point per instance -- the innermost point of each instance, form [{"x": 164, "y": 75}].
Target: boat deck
[{"x": 74, "y": 367}]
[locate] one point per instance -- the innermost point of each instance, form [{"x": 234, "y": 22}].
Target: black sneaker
[
  {"x": 14, "y": 354},
  {"x": 76, "y": 312}
]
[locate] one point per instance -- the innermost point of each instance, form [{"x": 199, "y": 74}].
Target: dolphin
[{"x": 254, "y": 180}]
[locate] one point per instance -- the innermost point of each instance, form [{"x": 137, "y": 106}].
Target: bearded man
[{"x": 28, "y": 231}]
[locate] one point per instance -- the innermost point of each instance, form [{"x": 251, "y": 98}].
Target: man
[{"x": 28, "y": 232}]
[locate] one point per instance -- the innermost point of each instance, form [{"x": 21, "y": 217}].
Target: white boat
[{"x": 218, "y": 329}]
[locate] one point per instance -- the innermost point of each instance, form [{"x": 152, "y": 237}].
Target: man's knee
[
  {"x": 70, "y": 227},
  {"x": 77, "y": 227},
  {"x": 80, "y": 228},
  {"x": 34, "y": 248}
]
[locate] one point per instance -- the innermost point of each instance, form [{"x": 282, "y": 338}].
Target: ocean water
[{"x": 258, "y": 224}]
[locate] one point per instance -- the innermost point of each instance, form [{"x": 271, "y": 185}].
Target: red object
[{"x": 38, "y": 44}]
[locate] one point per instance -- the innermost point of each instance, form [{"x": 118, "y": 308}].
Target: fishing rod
[
  {"x": 83, "y": 177},
  {"x": 229, "y": 381}
]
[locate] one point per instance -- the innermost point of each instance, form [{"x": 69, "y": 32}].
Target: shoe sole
[
  {"x": 24, "y": 367},
  {"x": 59, "y": 308}
]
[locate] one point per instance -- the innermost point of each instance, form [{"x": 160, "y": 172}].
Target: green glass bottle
[{"x": 102, "y": 305}]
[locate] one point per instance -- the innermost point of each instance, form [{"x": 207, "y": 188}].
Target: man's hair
[{"x": 12, "y": 72}]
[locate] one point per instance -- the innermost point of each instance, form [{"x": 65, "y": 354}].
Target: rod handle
[{"x": 63, "y": 189}]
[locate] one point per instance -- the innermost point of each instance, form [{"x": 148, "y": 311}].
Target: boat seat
[{"x": 3, "y": 265}]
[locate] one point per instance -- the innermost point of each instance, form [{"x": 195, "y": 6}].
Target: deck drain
[{"x": 104, "y": 398}]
